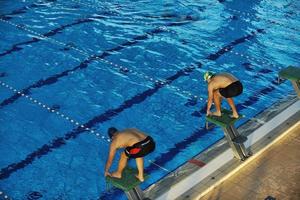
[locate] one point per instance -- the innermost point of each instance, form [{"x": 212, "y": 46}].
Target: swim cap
[
  {"x": 207, "y": 75},
  {"x": 111, "y": 131}
]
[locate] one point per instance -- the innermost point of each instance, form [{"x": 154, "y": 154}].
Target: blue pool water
[{"x": 83, "y": 66}]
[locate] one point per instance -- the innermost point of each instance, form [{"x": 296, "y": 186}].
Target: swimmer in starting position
[
  {"x": 223, "y": 85},
  {"x": 137, "y": 145}
]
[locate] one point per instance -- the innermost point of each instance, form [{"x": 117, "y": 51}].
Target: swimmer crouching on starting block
[
  {"x": 222, "y": 85},
  {"x": 137, "y": 145}
]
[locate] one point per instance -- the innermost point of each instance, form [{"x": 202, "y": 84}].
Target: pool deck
[
  {"x": 274, "y": 173},
  {"x": 215, "y": 170}
]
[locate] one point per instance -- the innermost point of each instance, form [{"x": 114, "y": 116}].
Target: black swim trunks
[
  {"x": 232, "y": 90},
  {"x": 141, "y": 148}
]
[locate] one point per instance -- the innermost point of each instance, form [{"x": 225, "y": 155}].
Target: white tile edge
[
  {"x": 197, "y": 176},
  {"x": 272, "y": 124}
]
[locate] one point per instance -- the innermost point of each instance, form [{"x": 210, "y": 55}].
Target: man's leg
[
  {"x": 122, "y": 165},
  {"x": 140, "y": 167},
  {"x": 234, "y": 111},
  {"x": 217, "y": 101}
]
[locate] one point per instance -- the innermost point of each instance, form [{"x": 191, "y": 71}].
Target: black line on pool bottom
[
  {"x": 3, "y": 74},
  {"x": 59, "y": 141},
  {"x": 17, "y": 47},
  {"x": 195, "y": 136},
  {"x": 21, "y": 10},
  {"x": 84, "y": 64},
  {"x": 106, "y": 116}
]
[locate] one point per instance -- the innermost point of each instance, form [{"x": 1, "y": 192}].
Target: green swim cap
[{"x": 207, "y": 75}]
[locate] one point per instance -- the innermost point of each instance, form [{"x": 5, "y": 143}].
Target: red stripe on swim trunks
[
  {"x": 199, "y": 163},
  {"x": 134, "y": 150}
]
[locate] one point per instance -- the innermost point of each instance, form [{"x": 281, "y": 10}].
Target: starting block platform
[
  {"x": 225, "y": 119},
  {"x": 293, "y": 74},
  {"x": 290, "y": 73},
  {"x": 128, "y": 183},
  {"x": 235, "y": 140}
]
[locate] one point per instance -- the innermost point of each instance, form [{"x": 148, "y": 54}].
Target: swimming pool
[{"x": 71, "y": 69}]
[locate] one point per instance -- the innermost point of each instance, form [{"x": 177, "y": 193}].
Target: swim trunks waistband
[
  {"x": 232, "y": 90},
  {"x": 140, "y": 149}
]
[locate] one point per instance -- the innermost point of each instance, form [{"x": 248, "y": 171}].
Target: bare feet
[
  {"x": 116, "y": 175},
  {"x": 234, "y": 115},
  {"x": 141, "y": 178},
  {"x": 218, "y": 114},
  {"x": 107, "y": 174}
]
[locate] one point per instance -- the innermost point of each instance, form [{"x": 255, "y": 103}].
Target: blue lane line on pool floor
[
  {"x": 84, "y": 64},
  {"x": 109, "y": 114},
  {"x": 163, "y": 158}
]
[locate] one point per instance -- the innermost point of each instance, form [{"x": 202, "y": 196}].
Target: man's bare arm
[
  {"x": 210, "y": 98},
  {"x": 111, "y": 155}
]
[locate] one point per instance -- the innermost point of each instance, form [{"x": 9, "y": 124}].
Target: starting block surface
[
  {"x": 128, "y": 180},
  {"x": 290, "y": 73},
  {"x": 225, "y": 119}
]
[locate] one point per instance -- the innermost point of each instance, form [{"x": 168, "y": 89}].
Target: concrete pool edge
[{"x": 219, "y": 155}]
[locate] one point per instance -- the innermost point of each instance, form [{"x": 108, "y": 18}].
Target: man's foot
[
  {"x": 234, "y": 115},
  {"x": 116, "y": 175},
  {"x": 218, "y": 114},
  {"x": 141, "y": 178}
]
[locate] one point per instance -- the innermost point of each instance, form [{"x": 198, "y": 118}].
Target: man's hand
[
  {"x": 106, "y": 173},
  {"x": 208, "y": 113}
]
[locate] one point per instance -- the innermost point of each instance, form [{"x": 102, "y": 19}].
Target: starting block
[
  {"x": 235, "y": 140},
  {"x": 128, "y": 183},
  {"x": 293, "y": 74}
]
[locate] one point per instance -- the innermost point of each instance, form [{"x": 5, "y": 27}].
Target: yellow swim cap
[{"x": 207, "y": 75}]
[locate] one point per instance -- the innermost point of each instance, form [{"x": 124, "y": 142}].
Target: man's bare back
[
  {"x": 129, "y": 137},
  {"x": 221, "y": 80}
]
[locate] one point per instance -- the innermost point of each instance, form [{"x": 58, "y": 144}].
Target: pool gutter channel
[{"x": 190, "y": 181}]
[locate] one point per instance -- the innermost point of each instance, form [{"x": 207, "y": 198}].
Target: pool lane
[
  {"x": 24, "y": 68},
  {"x": 84, "y": 64},
  {"x": 58, "y": 30},
  {"x": 20, "y": 11},
  {"x": 20, "y": 46},
  {"x": 109, "y": 114},
  {"x": 24, "y": 127},
  {"x": 54, "y": 78}
]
